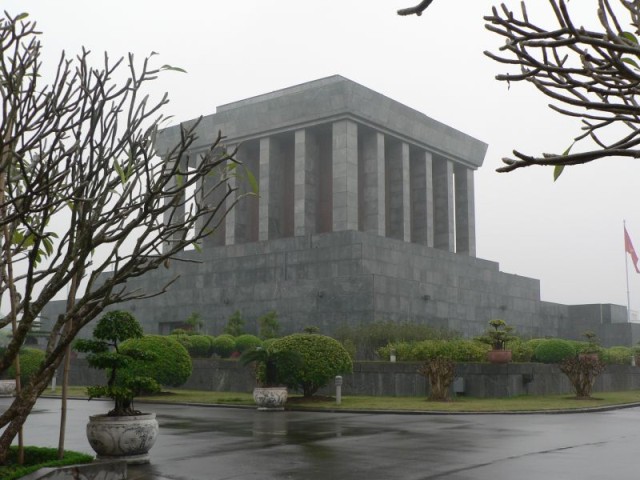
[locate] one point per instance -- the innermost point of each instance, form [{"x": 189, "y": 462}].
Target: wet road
[{"x": 224, "y": 443}]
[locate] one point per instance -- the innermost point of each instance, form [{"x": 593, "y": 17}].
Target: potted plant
[
  {"x": 498, "y": 334},
  {"x": 124, "y": 432},
  {"x": 269, "y": 395}
]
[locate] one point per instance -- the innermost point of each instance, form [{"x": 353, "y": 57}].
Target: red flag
[{"x": 628, "y": 247}]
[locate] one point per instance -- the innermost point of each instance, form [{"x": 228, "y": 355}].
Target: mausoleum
[{"x": 365, "y": 212}]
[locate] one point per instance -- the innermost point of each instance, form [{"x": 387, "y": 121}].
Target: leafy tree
[
  {"x": 77, "y": 151},
  {"x": 591, "y": 75},
  {"x": 269, "y": 325},
  {"x": 105, "y": 353},
  {"x": 194, "y": 322},
  {"x": 309, "y": 361},
  {"x": 235, "y": 324}
]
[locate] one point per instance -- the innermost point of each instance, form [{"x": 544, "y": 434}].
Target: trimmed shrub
[
  {"x": 617, "y": 355},
  {"x": 318, "y": 360},
  {"x": 172, "y": 366},
  {"x": 521, "y": 351},
  {"x": 223, "y": 345},
  {"x": 554, "y": 350},
  {"x": 30, "y": 361},
  {"x": 199, "y": 346},
  {"x": 183, "y": 338},
  {"x": 247, "y": 342},
  {"x": 533, "y": 344},
  {"x": 456, "y": 350}
]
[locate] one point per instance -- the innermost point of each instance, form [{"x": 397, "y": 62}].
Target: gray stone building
[{"x": 365, "y": 212}]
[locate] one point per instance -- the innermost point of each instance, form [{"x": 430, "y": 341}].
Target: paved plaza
[{"x": 210, "y": 443}]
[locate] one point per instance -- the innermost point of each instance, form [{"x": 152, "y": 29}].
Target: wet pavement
[{"x": 205, "y": 443}]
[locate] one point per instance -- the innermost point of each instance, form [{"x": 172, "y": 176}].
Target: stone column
[
  {"x": 371, "y": 171},
  {"x": 231, "y": 218},
  {"x": 422, "y": 197},
  {"x": 398, "y": 193},
  {"x": 443, "y": 215},
  {"x": 406, "y": 194},
  {"x": 176, "y": 214},
  {"x": 263, "y": 209},
  {"x": 465, "y": 211},
  {"x": 306, "y": 182},
  {"x": 345, "y": 175}
]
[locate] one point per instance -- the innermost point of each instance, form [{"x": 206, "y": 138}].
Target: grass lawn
[
  {"x": 36, "y": 458},
  {"x": 459, "y": 404}
]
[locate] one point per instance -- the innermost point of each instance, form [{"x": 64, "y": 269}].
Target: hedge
[{"x": 172, "y": 367}]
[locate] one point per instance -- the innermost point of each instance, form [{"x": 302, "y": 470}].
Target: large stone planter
[
  {"x": 7, "y": 388},
  {"x": 270, "y": 398},
  {"x": 124, "y": 438}
]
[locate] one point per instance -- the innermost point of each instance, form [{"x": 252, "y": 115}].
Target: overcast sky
[{"x": 568, "y": 234}]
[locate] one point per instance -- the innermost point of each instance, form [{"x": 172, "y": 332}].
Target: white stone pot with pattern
[{"x": 125, "y": 438}]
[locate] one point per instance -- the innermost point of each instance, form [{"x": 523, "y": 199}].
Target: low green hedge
[{"x": 37, "y": 458}]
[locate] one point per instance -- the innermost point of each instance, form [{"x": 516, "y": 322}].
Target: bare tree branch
[
  {"x": 590, "y": 75},
  {"x": 417, "y": 10}
]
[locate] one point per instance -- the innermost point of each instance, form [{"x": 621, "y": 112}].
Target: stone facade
[{"x": 365, "y": 212}]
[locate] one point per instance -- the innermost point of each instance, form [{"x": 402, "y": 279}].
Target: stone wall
[{"x": 401, "y": 379}]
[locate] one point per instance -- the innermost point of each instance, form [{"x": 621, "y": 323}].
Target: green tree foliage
[
  {"x": 554, "y": 350},
  {"x": 235, "y": 324},
  {"x": 366, "y": 339},
  {"x": 268, "y": 325},
  {"x": 319, "y": 359},
  {"x": 30, "y": 361},
  {"x": 247, "y": 342},
  {"x": 223, "y": 345},
  {"x": 171, "y": 366},
  {"x": 194, "y": 322},
  {"x": 107, "y": 352}
]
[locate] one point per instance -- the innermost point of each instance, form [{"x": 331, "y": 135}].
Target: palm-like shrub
[
  {"x": 315, "y": 360},
  {"x": 171, "y": 366}
]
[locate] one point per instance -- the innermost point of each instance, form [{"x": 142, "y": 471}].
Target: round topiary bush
[
  {"x": 199, "y": 346},
  {"x": 223, "y": 345},
  {"x": 316, "y": 360},
  {"x": 247, "y": 342},
  {"x": 172, "y": 366},
  {"x": 30, "y": 361},
  {"x": 554, "y": 350}
]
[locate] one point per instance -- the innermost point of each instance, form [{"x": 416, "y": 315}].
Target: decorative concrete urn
[
  {"x": 270, "y": 398},
  {"x": 126, "y": 438},
  {"x": 499, "y": 356},
  {"x": 7, "y": 388}
]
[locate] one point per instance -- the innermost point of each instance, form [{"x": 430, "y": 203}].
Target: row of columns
[{"x": 346, "y": 176}]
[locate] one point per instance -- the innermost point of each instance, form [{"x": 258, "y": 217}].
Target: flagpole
[{"x": 626, "y": 269}]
